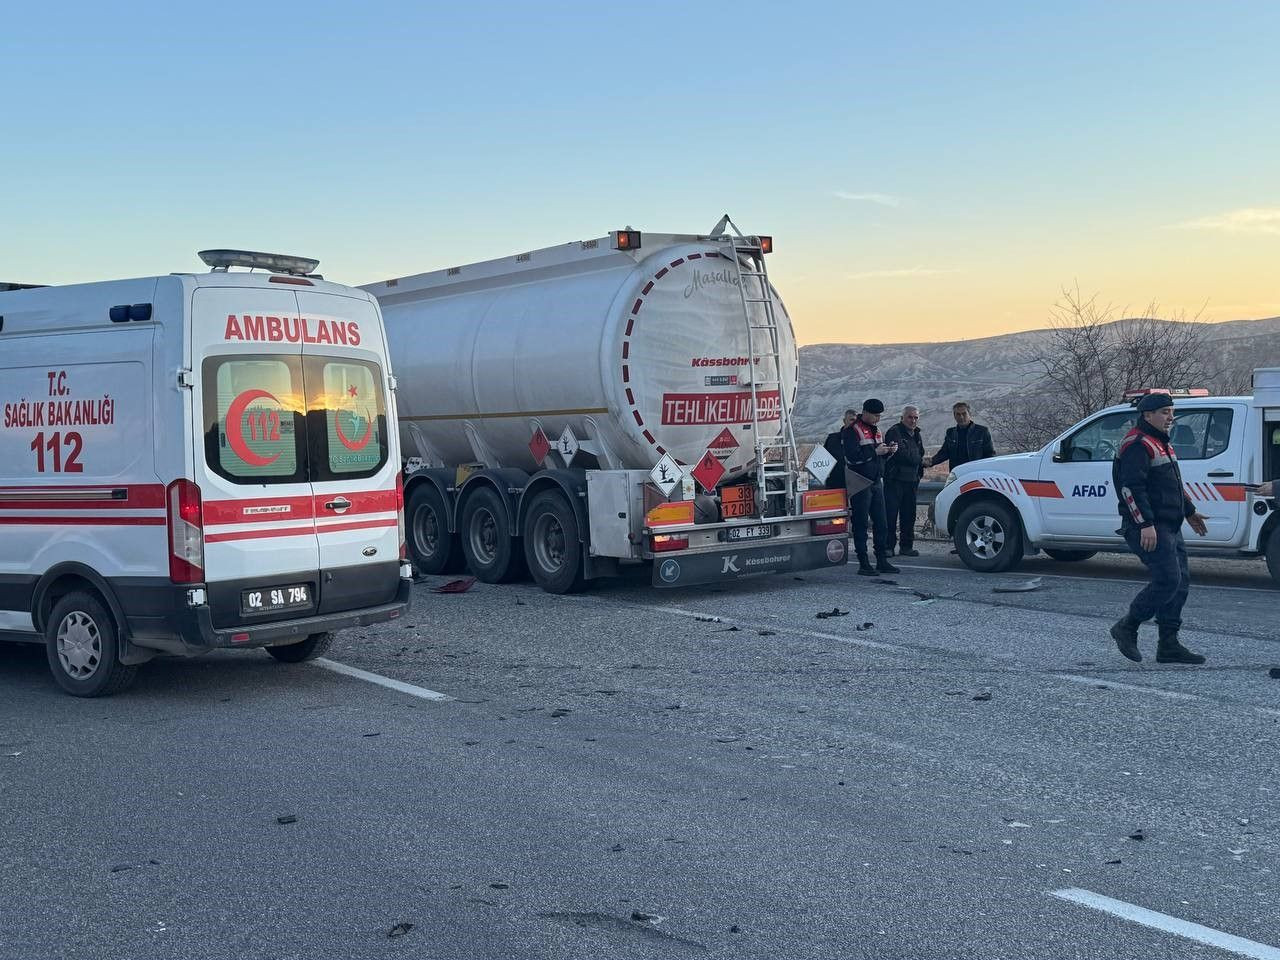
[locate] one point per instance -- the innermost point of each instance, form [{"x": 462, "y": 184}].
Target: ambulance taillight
[
  {"x": 404, "y": 546},
  {"x": 186, "y": 533}
]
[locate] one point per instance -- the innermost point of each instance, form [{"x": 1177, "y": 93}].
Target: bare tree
[{"x": 1090, "y": 356}]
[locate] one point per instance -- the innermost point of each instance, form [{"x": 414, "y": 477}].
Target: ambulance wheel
[
  {"x": 1070, "y": 556},
  {"x": 80, "y": 641},
  {"x": 988, "y": 537},
  {"x": 552, "y": 547},
  {"x": 315, "y": 645},
  {"x": 493, "y": 555},
  {"x": 431, "y": 546},
  {"x": 1273, "y": 555}
]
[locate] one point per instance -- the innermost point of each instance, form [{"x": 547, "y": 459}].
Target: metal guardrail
[{"x": 928, "y": 491}]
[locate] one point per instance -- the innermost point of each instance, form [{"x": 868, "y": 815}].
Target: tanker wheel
[
  {"x": 433, "y": 548},
  {"x": 552, "y": 544},
  {"x": 493, "y": 555}
]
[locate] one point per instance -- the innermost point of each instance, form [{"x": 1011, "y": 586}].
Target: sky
[{"x": 929, "y": 171}]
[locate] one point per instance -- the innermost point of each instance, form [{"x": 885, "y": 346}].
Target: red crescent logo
[
  {"x": 235, "y": 431},
  {"x": 348, "y": 443}
]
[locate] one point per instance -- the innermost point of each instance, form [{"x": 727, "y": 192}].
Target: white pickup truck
[{"x": 1060, "y": 499}]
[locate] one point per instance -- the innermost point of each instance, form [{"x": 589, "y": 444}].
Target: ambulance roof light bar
[{"x": 221, "y": 260}]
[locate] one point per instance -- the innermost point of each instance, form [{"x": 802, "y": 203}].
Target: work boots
[
  {"x": 884, "y": 566},
  {"x": 1170, "y": 650},
  {"x": 865, "y": 569},
  {"x": 1125, "y": 633}
]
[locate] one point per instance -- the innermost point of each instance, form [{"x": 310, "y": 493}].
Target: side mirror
[{"x": 1063, "y": 453}]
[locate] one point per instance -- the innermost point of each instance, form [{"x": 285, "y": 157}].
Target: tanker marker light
[
  {"x": 627, "y": 239},
  {"x": 766, "y": 244}
]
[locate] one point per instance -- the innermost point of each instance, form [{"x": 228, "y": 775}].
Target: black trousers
[
  {"x": 1164, "y": 596},
  {"x": 864, "y": 504},
  {"x": 900, "y": 510}
]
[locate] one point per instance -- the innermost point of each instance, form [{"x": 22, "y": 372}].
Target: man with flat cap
[
  {"x": 1153, "y": 506},
  {"x": 864, "y": 455}
]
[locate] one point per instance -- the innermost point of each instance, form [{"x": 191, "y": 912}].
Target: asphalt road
[{"x": 616, "y": 775}]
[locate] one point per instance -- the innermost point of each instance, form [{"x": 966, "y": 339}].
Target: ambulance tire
[
  {"x": 315, "y": 645},
  {"x": 988, "y": 537},
  {"x": 432, "y": 547},
  {"x": 1070, "y": 556},
  {"x": 89, "y": 663},
  {"x": 493, "y": 555},
  {"x": 552, "y": 544},
  {"x": 1273, "y": 555}
]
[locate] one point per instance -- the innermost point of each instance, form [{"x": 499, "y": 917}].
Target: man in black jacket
[
  {"x": 902, "y": 473},
  {"x": 834, "y": 445},
  {"x": 966, "y": 441},
  {"x": 1153, "y": 504},
  {"x": 864, "y": 455}
]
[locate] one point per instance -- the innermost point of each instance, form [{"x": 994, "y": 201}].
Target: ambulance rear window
[
  {"x": 253, "y": 419},
  {"x": 346, "y": 418}
]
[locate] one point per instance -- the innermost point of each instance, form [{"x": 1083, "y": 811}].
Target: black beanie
[
  {"x": 1154, "y": 401},
  {"x": 873, "y": 406}
]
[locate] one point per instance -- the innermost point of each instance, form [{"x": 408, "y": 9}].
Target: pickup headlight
[{"x": 951, "y": 478}]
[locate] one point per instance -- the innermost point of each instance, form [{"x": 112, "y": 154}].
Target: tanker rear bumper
[{"x": 728, "y": 563}]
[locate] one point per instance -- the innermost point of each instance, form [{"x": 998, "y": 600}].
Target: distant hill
[{"x": 834, "y": 376}]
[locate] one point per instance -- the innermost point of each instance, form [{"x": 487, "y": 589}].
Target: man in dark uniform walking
[
  {"x": 1153, "y": 506},
  {"x": 864, "y": 455}
]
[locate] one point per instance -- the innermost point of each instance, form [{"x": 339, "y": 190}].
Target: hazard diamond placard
[
  {"x": 539, "y": 446},
  {"x": 708, "y": 471}
]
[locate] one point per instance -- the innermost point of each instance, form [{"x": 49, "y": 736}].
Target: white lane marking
[
  {"x": 1162, "y": 921},
  {"x": 398, "y": 685},
  {"x": 733, "y": 621},
  {"x": 1067, "y": 576},
  {"x": 909, "y": 650}
]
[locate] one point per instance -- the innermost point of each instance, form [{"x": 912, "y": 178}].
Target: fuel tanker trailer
[{"x": 619, "y": 400}]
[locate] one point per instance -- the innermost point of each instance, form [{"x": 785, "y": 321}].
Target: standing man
[
  {"x": 1153, "y": 505},
  {"x": 834, "y": 445},
  {"x": 864, "y": 455},
  {"x": 902, "y": 473},
  {"x": 966, "y": 441}
]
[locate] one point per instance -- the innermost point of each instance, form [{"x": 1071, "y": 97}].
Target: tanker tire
[
  {"x": 308, "y": 648},
  {"x": 988, "y": 537},
  {"x": 493, "y": 555},
  {"x": 1070, "y": 556},
  {"x": 432, "y": 547},
  {"x": 552, "y": 548},
  {"x": 80, "y": 642},
  {"x": 1273, "y": 555}
]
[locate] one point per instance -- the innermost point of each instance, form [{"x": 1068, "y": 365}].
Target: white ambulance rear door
[
  {"x": 260, "y": 548},
  {"x": 354, "y": 451}
]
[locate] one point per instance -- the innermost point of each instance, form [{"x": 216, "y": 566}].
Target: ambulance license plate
[
  {"x": 275, "y": 599},
  {"x": 758, "y": 531}
]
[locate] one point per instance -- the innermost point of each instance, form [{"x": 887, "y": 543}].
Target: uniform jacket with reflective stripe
[
  {"x": 1148, "y": 482},
  {"x": 860, "y": 442}
]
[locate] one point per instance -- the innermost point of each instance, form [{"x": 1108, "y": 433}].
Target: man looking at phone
[
  {"x": 1153, "y": 505},
  {"x": 864, "y": 455}
]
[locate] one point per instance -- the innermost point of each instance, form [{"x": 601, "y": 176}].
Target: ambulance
[
  {"x": 1060, "y": 500},
  {"x": 195, "y": 461}
]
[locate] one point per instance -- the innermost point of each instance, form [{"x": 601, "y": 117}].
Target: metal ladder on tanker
[{"x": 775, "y": 476}]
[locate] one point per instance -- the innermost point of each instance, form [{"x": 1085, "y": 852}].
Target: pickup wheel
[
  {"x": 431, "y": 546},
  {"x": 80, "y": 641},
  {"x": 552, "y": 547},
  {"x": 1273, "y": 555},
  {"x": 988, "y": 537},
  {"x": 1070, "y": 556},
  {"x": 493, "y": 555},
  {"x": 316, "y": 645}
]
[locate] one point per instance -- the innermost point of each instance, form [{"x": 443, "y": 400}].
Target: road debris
[
  {"x": 860, "y": 627},
  {"x": 286, "y": 819},
  {"x": 708, "y": 619},
  {"x": 456, "y": 586},
  {"x": 1138, "y": 835},
  {"x": 1026, "y": 586},
  {"x": 1274, "y": 673},
  {"x": 399, "y": 930},
  {"x": 833, "y": 612},
  {"x": 983, "y": 694}
]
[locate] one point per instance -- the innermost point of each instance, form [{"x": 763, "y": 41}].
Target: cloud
[
  {"x": 902, "y": 272},
  {"x": 1248, "y": 220},
  {"x": 883, "y": 199}
]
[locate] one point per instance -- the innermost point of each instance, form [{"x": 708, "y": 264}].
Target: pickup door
[{"x": 1208, "y": 440}]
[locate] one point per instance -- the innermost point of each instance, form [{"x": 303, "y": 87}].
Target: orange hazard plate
[{"x": 739, "y": 501}]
